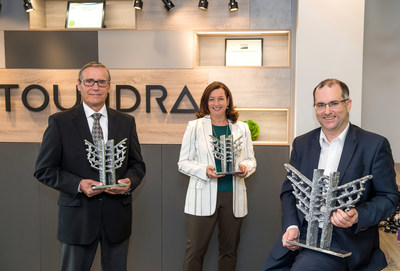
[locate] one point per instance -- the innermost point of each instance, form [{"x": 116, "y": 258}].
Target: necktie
[{"x": 97, "y": 132}]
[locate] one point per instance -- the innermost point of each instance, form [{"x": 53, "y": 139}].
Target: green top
[{"x": 224, "y": 183}]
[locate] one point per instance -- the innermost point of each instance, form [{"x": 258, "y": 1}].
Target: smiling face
[
  {"x": 217, "y": 103},
  {"x": 94, "y": 96},
  {"x": 332, "y": 121}
]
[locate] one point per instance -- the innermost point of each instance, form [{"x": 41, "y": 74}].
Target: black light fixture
[
  {"x": 203, "y": 4},
  {"x": 233, "y": 5},
  {"x": 28, "y": 6},
  {"x": 138, "y": 4},
  {"x": 168, "y": 5}
]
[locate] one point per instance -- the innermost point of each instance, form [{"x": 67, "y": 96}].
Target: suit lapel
[
  {"x": 81, "y": 123},
  {"x": 112, "y": 124},
  {"x": 314, "y": 153},
  {"x": 349, "y": 148}
]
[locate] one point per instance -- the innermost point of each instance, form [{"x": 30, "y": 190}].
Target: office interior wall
[
  {"x": 329, "y": 44},
  {"x": 381, "y": 70}
]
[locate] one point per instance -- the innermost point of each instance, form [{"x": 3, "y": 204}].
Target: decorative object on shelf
[
  {"x": 233, "y": 5},
  {"x": 317, "y": 200},
  {"x": 28, "y": 6},
  {"x": 138, "y": 4},
  {"x": 244, "y": 52},
  {"x": 85, "y": 14},
  {"x": 254, "y": 129},
  {"x": 169, "y": 6}
]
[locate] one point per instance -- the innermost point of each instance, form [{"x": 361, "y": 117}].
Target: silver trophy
[
  {"x": 106, "y": 158},
  {"x": 226, "y": 149},
  {"x": 318, "y": 199}
]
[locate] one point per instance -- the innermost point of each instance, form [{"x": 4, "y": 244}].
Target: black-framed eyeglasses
[
  {"x": 332, "y": 105},
  {"x": 91, "y": 82}
]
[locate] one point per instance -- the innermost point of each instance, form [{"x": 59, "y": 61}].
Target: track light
[
  {"x": 203, "y": 4},
  {"x": 138, "y": 4},
  {"x": 28, "y": 6},
  {"x": 168, "y": 5},
  {"x": 233, "y": 5}
]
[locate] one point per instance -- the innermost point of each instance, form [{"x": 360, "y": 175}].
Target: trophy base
[
  {"x": 332, "y": 251},
  {"x": 109, "y": 185},
  {"x": 230, "y": 173}
]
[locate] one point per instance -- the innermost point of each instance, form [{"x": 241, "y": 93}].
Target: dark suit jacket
[
  {"x": 62, "y": 163},
  {"x": 364, "y": 153}
]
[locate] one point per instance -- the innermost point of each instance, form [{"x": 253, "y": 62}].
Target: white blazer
[{"x": 196, "y": 154}]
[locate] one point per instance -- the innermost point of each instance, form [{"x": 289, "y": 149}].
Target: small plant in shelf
[{"x": 254, "y": 129}]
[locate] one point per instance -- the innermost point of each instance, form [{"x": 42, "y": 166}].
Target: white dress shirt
[{"x": 103, "y": 120}]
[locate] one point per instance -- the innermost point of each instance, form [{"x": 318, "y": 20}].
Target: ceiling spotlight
[
  {"x": 28, "y": 6},
  {"x": 233, "y": 5},
  {"x": 203, "y": 4},
  {"x": 168, "y": 5},
  {"x": 138, "y": 4}
]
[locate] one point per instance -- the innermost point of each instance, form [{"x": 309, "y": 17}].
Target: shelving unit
[{"x": 210, "y": 47}]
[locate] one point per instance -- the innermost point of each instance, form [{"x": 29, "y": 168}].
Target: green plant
[{"x": 254, "y": 129}]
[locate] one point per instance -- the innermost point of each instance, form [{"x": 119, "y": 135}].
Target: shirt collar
[
  {"x": 324, "y": 141},
  {"x": 89, "y": 111}
]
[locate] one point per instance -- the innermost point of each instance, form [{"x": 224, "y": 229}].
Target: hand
[
  {"x": 242, "y": 168},
  {"x": 291, "y": 234},
  {"x": 210, "y": 171},
  {"x": 86, "y": 187},
  {"x": 119, "y": 190},
  {"x": 344, "y": 219}
]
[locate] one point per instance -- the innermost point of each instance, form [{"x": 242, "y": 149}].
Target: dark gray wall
[{"x": 29, "y": 212}]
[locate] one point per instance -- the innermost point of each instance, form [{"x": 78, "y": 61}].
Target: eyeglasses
[
  {"x": 91, "y": 82},
  {"x": 332, "y": 105}
]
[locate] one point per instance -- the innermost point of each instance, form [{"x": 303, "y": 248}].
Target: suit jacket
[
  {"x": 62, "y": 163},
  {"x": 197, "y": 153},
  {"x": 364, "y": 153}
]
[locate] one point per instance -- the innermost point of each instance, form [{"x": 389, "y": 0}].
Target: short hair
[
  {"x": 230, "y": 113},
  {"x": 330, "y": 82},
  {"x": 94, "y": 64}
]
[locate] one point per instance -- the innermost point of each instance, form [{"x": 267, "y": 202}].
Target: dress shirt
[{"x": 103, "y": 120}]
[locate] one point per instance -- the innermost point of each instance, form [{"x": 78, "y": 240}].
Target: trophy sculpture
[
  {"x": 318, "y": 199},
  {"x": 106, "y": 158},
  {"x": 226, "y": 149}
]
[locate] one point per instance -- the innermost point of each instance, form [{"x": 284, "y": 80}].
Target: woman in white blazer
[{"x": 213, "y": 197}]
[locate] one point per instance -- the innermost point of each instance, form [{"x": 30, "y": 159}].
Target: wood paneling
[{"x": 22, "y": 125}]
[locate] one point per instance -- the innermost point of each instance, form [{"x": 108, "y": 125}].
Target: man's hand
[
  {"x": 119, "y": 190},
  {"x": 86, "y": 187},
  {"x": 291, "y": 234},
  {"x": 344, "y": 219}
]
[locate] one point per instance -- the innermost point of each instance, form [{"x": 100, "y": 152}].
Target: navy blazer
[
  {"x": 62, "y": 163},
  {"x": 364, "y": 153}
]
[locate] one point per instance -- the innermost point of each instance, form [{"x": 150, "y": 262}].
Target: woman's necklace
[{"x": 215, "y": 133}]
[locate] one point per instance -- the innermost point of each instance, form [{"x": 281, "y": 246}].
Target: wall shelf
[{"x": 210, "y": 47}]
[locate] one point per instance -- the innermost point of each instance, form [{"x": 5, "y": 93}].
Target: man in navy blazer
[
  {"x": 87, "y": 216},
  {"x": 339, "y": 146}
]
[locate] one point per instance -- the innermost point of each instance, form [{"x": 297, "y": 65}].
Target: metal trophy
[
  {"x": 106, "y": 158},
  {"x": 226, "y": 149},
  {"x": 317, "y": 200}
]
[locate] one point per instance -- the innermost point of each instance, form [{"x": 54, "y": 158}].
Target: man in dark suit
[
  {"x": 87, "y": 216},
  {"x": 339, "y": 146}
]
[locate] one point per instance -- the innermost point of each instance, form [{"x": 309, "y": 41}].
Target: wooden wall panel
[
  {"x": 2, "y": 52},
  {"x": 22, "y": 125}
]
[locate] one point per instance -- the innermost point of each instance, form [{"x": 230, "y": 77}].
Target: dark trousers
[
  {"x": 80, "y": 257},
  {"x": 200, "y": 229}
]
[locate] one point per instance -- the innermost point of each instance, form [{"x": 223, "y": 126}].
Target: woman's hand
[{"x": 210, "y": 170}]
